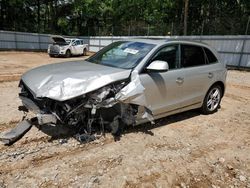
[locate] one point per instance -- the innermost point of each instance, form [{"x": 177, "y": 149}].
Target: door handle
[
  {"x": 179, "y": 80},
  {"x": 210, "y": 75}
]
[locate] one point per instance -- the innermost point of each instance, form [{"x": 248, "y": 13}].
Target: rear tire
[
  {"x": 68, "y": 53},
  {"x": 51, "y": 55},
  {"x": 212, "y": 100},
  {"x": 84, "y": 52}
]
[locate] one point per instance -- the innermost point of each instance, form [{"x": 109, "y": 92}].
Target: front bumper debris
[
  {"x": 111, "y": 107},
  {"x": 16, "y": 133}
]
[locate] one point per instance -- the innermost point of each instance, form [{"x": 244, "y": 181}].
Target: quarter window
[
  {"x": 169, "y": 54},
  {"x": 210, "y": 56},
  {"x": 192, "y": 56}
]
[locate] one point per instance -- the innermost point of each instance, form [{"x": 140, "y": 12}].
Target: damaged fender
[{"x": 133, "y": 93}]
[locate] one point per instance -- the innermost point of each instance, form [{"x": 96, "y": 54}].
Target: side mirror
[
  {"x": 159, "y": 66},
  {"x": 74, "y": 44}
]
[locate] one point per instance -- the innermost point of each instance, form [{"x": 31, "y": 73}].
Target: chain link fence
[{"x": 234, "y": 50}]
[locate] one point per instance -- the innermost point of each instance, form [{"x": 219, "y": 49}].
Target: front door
[
  {"x": 163, "y": 90},
  {"x": 74, "y": 50},
  {"x": 77, "y": 48}
]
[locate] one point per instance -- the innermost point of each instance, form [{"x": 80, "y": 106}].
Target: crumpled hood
[{"x": 63, "y": 81}]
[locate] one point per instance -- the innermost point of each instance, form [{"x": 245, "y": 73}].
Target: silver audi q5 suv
[{"x": 127, "y": 82}]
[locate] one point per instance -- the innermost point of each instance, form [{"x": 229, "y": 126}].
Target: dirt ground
[{"x": 184, "y": 150}]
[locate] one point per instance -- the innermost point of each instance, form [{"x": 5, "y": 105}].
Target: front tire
[
  {"x": 212, "y": 100},
  {"x": 68, "y": 53}
]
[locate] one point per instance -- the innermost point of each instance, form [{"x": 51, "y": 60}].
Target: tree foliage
[{"x": 130, "y": 17}]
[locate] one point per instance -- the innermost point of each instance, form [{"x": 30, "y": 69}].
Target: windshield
[
  {"x": 68, "y": 41},
  {"x": 122, "y": 54}
]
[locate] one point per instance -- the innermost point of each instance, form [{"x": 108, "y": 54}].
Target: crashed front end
[{"x": 110, "y": 107}]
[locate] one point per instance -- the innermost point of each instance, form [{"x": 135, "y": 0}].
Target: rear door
[
  {"x": 163, "y": 90},
  {"x": 74, "y": 48},
  {"x": 80, "y": 47},
  {"x": 199, "y": 75}
]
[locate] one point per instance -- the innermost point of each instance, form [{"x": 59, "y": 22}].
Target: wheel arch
[
  {"x": 85, "y": 51},
  {"x": 221, "y": 84},
  {"x": 66, "y": 53},
  {"x": 217, "y": 83}
]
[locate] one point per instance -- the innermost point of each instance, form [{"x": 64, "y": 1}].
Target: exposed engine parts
[{"x": 111, "y": 107}]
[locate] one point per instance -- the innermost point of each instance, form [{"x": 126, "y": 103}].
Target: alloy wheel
[{"x": 213, "y": 99}]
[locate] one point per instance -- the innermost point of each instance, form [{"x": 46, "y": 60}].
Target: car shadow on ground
[
  {"x": 57, "y": 131},
  {"x": 147, "y": 127},
  {"x": 66, "y": 132}
]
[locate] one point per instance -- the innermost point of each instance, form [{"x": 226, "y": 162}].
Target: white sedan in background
[{"x": 67, "y": 47}]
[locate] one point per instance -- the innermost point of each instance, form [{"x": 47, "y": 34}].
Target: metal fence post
[
  {"x": 242, "y": 51},
  {"x": 243, "y": 43},
  {"x": 15, "y": 38},
  {"x": 88, "y": 43},
  {"x": 39, "y": 42},
  {"x": 99, "y": 42}
]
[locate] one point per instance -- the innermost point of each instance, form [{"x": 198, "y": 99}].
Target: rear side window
[
  {"x": 192, "y": 56},
  {"x": 210, "y": 56}
]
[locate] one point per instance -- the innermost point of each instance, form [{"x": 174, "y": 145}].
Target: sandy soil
[
  {"x": 184, "y": 150},
  {"x": 13, "y": 64}
]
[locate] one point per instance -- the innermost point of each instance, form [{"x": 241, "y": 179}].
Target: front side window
[
  {"x": 170, "y": 54},
  {"x": 192, "y": 56},
  {"x": 78, "y": 42},
  {"x": 122, "y": 54}
]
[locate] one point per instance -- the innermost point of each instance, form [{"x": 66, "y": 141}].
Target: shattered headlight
[
  {"x": 100, "y": 94},
  {"x": 105, "y": 96}
]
